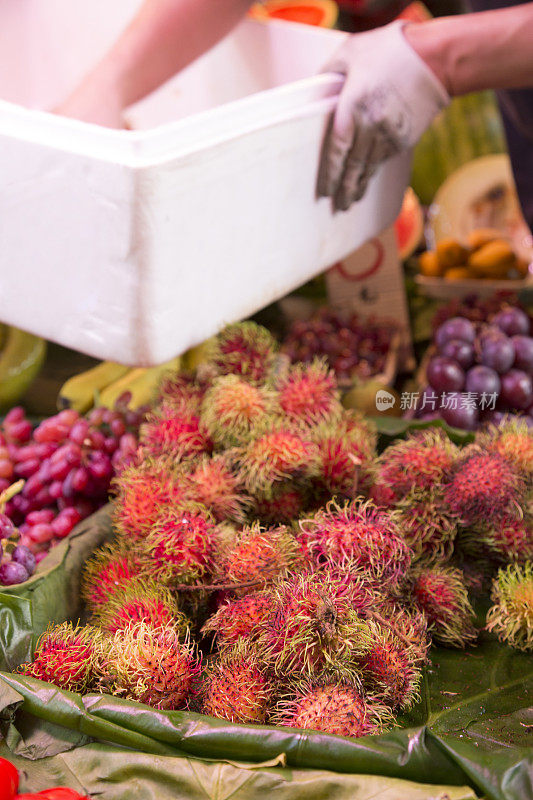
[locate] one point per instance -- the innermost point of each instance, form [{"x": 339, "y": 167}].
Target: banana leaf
[
  {"x": 473, "y": 726},
  {"x": 390, "y": 428},
  {"x": 51, "y": 595},
  {"x": 103, "y": 771}
]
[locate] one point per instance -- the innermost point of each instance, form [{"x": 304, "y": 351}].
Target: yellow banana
[
  {"x": 79, "y": 391},
  {"x": 21, "y": 359},
  {"x": 142, "y": 383}
]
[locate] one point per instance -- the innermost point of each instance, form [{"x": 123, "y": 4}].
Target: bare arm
[
  {"x": 487, "y": 50},
  {"x": 163, "y": 38}
]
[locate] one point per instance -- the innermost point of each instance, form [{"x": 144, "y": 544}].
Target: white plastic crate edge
[{"x": 80, "y": 196}]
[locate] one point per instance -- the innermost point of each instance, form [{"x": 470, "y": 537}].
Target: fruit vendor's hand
[
  {"x": 398, "y": 77},
  {"x": 389, "y": 98}
]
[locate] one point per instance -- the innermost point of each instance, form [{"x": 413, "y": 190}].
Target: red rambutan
[
  {"x": 65, "y": 656},
  {"x": 142, "y": 491},
  {"x": 441, "y": 594},
  {"x": 511, "y": 616},
  {"x": 311, "y": 627},
  {"x": 174, "y": 432},
  {"x": 284, "y": 504},
  {"x": 232, "y": 408},
  {"x": 509, "y": 539},
  {"x": 362, "y": 534},
  {"x": 180, "y": 546},
  {"x": 427, "y": 526},
  {"x": 512, "y": 441},
  {"x": 236, "y": 688},
  {"x": 141, "y": 600},
  {"x": 181, "y": 389},
  {"x": 346, "y": 457},
  {"x": 417, "y": 462},
  {"x": 245, "y": 349},
  {"x": 391, "y": 670},
  {"x": 240, "y": 618},
  {"x": 152, "y": 665},
  {"x": 111, "y": 568},
  {"x": 275, "y": 456},
  {"x": 336, "y": 708},
  {"x": 258, "y": 554},
  {"x": 482, "y": 487},
  {"x": 308, "y": 394},
  {"x": 213, "y": 484}
]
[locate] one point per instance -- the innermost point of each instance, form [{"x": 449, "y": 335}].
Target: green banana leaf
[
  {"x": 390, "y": 428},
  {"x": 51, "y": 595},
  {"x": 472, "y": 727},
  {"x": 102, "y": 771}
]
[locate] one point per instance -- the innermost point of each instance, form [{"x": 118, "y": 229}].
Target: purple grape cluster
[
  {"x": 480, "y": 372},
  {"x": 17, "y": 562},
  {"x": 67, "y": 463},
  {"x": 353, "y": 347}
]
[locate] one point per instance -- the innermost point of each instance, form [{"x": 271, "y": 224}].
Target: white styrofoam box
[{"x": 135, "y": 245}]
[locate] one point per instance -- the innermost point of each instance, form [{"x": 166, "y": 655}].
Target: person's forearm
[
  {"x": 164, "y": 37},
  {"x": 471, "y": 52}
]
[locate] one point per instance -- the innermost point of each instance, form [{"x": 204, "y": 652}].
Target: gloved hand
[{"x": 389, "y": 98}]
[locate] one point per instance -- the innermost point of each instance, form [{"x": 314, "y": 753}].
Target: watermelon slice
[
  {"x": 409, "y": 225},
  {"x": 322, "y": 13}
]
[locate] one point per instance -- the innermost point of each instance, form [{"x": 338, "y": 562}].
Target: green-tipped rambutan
[
  {"x": 512, "y": 441},
  {"x": 180, "y": 546},
  {"x": 232, "y": 408},
  {"x": 483, "y": 486},
  {"x": 366, "y": 536},
  {"x": 111, "y": 568},
  {"x": 66, "y": 656},
  {"x": 258, "y": 555},
  {"x": 311, "y": 627},
  {"x": 337, "y": 708},
  {"x": 235, "y": 686},
  {"x": 142, "y": 491},
  {"x": 181, "y": 389},
  {"x": 244, "y": 349},
  {"x": 274, "y": 456},
  {"x": 308, "y": 394},
  {"x": 213, "y": 484},
  {"x": 390, "y": 669},
  {"x": 508, "y": 539},
  {"x": 511, "y": 616},
  {"x": 174, "y": 432},
  {"x": 441, "y": 594},
  {"x": 152, "y": 665},
  {"x": 284, "y": 504},
  {"x": 240, "y": 618},
  {"x": 346, "y": 457},
  {"x": 418, "y": 462},
  {"x": 141, "y": 600},
  {"x": 427, "y": 525}
]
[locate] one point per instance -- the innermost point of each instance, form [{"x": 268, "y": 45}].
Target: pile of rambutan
[{"x": 268, "y": 567}]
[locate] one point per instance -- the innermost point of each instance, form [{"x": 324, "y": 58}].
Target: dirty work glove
[{"x": 389, "y": 98}]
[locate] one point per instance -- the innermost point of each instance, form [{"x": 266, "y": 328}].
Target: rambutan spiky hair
[
  {"x": 66, "y": 656},
  {"x": 213, "y": 484},
  {"x": 336, "y": 707},
  {"x": 258, "y": 554},
  {"x": 427, "y": 525},
  {"x": 442, "y": 595},
  {"x": 235, "y": 686},
  {"x": 176, "y": 432},
  {"x": 110, "y": 568},
  {"x": 244, "y": 349},
  {"x": 232, "y": 408},
  {"x": 346, "y": 456},
  {"x": 308, "y": 394},
  {"x": 152, "y": 665},
  {"x": 360, "y": 533},
  {"x": 483, "y": 486},
  {"x": 511, "y": 616},
  {"x": 418, "y": 462},
  {"x": 512, "y": 440},
  {"x": 508, "y": 539},
  {"x": 142, "y": 599},
  {"x": 240, "y": 618},
  {"x": 312, "y": 626}
]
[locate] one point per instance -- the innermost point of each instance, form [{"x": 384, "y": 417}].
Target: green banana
[
  {"x": 142, "y": 383},
  {"x": 21, "y": 359},
  {"x": 79, "y": 391}
]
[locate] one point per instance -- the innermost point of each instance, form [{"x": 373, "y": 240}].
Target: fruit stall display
[{"x": 265, "y": 578}]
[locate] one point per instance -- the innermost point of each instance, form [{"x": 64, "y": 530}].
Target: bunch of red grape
[
  {"x": 478, "y": 309},
  {"x": 352, "y": 347},
  {"x": 480, "y": 373},
  {"x": 67, "y": 464}
]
